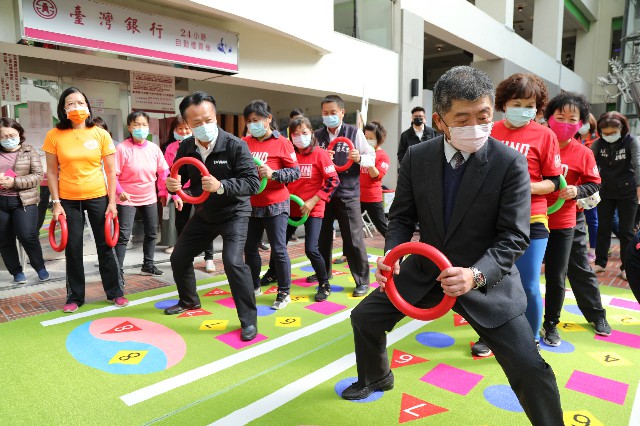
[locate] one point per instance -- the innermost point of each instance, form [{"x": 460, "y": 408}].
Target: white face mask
[
  {"x": 584, "y": 129},
  {"x": 470, "y": 138},
  {"x": 612, "y": 138},
  {"x": 302, "y": 141},
  {"x": 373, "y": 143}
]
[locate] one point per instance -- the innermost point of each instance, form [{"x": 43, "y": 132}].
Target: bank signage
[{"x": 104, "y": 27}]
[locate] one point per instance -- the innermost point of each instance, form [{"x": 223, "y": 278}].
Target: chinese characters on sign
[
  {"x": 153, "y": 92},
  {"x": 110, "y": 28},
  {"x": 10, "y": 78}
]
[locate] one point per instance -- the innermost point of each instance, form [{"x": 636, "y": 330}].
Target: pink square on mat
[
  {"x": 452, "y": 379},
  {"x": 600, "y": 387},
  {"x": 302, "y": 282},
  {"x": 228, "y": 302},
  {"x": 629, "y": 304},
  {"x": 375, "y": 284},
  {"x": 325, "y": 308},
  {"x": 621, "y": 338},
  {"x": 232, "y": 339}
]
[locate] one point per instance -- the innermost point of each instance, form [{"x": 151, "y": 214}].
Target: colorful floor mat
[{"x": 110, "y": 366}]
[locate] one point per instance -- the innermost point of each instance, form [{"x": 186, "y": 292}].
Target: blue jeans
[
  {"x": 276, "y": 227},
  {"x": 126, "y": 215},
  {"x": 19, "y": 221},
  {"x": 591, "y": 216},
  {"x": 529, "y": 266}
]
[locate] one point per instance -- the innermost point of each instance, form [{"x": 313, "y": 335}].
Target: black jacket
[
  {"x": 232, "y": 164},
  {"x": 409, "y": 138},
  {"x": 618, "y": 165}
]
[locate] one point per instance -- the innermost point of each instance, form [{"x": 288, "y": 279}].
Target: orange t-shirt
[{"x": 80, "y": 153}]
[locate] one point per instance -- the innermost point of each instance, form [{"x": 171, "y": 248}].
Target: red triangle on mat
[
  {"x": 412, "y": 408},
  {"x": 478, "y": 357},
  {"x": 459, "y": 321},
  {"x": 123, "y": 327},
  {"x": 194, "y": 313},
  {"x": 400, "y": 359},
  {"x": 272, "y": 290},
  {"x": 217, "y": 292}
]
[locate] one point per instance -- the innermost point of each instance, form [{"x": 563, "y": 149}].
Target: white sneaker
[
  {"x": 168, "y": 250},
  {"x": 597, "y": 269},
  {"x": 209, "y": 266},
  {"x": 258, "y": 291},
  {"x": 282, "y": 300}
]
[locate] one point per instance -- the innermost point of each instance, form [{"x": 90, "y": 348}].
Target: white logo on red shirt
[
  {"x": 522, "y": 148},
  {"x": 330, "y": 169},
  {"x": 565, "y": 170},
  {"x": 384, "y": 165},
  {"x": 293, "y": 157},
  {"x": 557, "y": 161},
  {"x": 596, "y": 172},
  {"x": 262, "y": 156},
  {"x": 305, "y": 170}
]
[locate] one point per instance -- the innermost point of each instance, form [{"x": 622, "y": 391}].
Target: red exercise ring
[
  {"x": 203, "y": 170},
  {"x": 333, "y": 143},
  {"x": 109, "y": 221},
  {"x": 64, "y": 233},
  {"x": 403, "y": 306}
]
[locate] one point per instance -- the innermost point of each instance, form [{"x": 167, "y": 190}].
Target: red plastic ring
[
  {"x": 64, "y": 233},
  {"x": 333, "y": 143},
  {"x": 203, "y": 170},
  {"x": 109, "y": 223},
  {"x": 403, "y": 306}
]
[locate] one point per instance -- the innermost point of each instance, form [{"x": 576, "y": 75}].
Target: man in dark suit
[
  {"x": 418, "y": 132},
  {"x": 471, "y": 197}
]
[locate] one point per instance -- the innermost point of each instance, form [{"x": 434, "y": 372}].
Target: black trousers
[
  {"x": 43, "y": 204},
  {"x": 582, "y": 279},
  {"x": 555, "y": 271},
  {"x": 276, "y": 228},
  {"x": 18, "y": 221},
  {"x": 530, "y": 377},
  {"x": 126, "y": 215},
  {"x": 349, "y": 216},
  {"x": 182, "y": 217},
  {"x": 633, "y": 266},
  {"x": 376, "y": 213},
  {"x": 107, "y": 263},
  {"x": 627, "y": 214},
  {"x": 197, "y": 236}
]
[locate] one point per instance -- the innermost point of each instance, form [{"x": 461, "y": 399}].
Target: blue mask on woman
[
  {"x": 11, "y": 143},
  {"x": 257, "y": 130},
  {"x": 140, "y": 133},
  {"x": 518, "y": 117},
  {"x": 331, "y": 121}
]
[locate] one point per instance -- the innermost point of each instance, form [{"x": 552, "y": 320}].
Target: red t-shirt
[
  {"x": 318, "y": 176},
  {"x": 276, "y": 153},
  {"x": 540, "y": 145},
  {"x": 371, "y": 188},
  {"x": 578, "y": 167}
]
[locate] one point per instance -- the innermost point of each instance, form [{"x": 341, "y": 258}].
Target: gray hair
[{"x": 461, "y": 83}]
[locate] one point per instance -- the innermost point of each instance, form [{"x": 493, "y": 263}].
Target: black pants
[
  {"x": 107, "y": 263},
  {"x": 43, "y": 204},
  {"x": 531, "y": 378},
  {"x": 627, "y": 214},
  {"x": 197, "y": 236},
  {"x": 276, "y": 228},
  {"x": 633, "y": 266},
  {"x": 18, "y": 221},
  {"x": 349, "y": 216},
  {"x": 555, "y": 271},
  {"x": 376, "y": 213},
  {"x": 311, "y": 234},
  {"x": 582, "y": 279},
  {"x": 182, "y": 217},
  {"x": 126, "y": 215}
]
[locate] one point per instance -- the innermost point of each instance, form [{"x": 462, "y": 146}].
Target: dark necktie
[{"x": 458, "y": 159}]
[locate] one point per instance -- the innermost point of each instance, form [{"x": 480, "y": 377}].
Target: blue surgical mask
[
  {"x": 331, "y": 121},
  {"x": 206, "y": 133},
  {"x": 180, "y": 137},
  {"x": 609, "y": 138},
  {"x": 140, "y": 133},
  {"x": 519, "y": 117},
  {"x": 11, "y": 143},
  {"x": 302, "y": 141},
  {"x": 257, "y": 130}
]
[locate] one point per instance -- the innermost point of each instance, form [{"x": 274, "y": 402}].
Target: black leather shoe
[
  {"x": 178, "y": 309},
  {"x": 357, "y": 391},
  {"x": 361, "y": 290},
  {"x": 248, "y": 333}
]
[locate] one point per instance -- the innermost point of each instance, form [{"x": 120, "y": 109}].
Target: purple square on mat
[
  {"x": 302, "y": 282},
  {"x": 621, "y": 338},
  {"x": 325, "y": 308},
  {"x": 232, "y": 339},
  {"x": 452, "y": 379},
  {"x": 629, "y": 304},
  {"x": 228, "y": 302},
  {"x": 600, "y": 387}
]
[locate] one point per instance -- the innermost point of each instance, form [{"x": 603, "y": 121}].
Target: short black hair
[
  {"x": 568, "y": 98},
  {"x": 99, "y": 121},
  {"x": 333, "y": 98},
  {"x": 613, "y": 119},
  {"x": 64, "y": 123},
  {"x": 461, "y": 83},
  {"x": 300, "y": 121},
  {"x": 195, "y": 98},
  {"x": 378, "y": 129},
  {"x": 133, "y": 116},
  {"x": 296, "y": 112},
  {"x": 417, "y": 109},
  {"x": 257, "y": 107}
]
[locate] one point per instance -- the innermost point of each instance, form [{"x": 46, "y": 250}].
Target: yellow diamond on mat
[
  {"x": 580, "y": 418},
  {"x": 609, "y": 359},
  {"x": 288, "y": 321},
  {"x": 299, "y": 299},
  {"x": 128, "y": 357},
  {"x": 214, "y": 325},
  {"x": 570, "y": 326}
]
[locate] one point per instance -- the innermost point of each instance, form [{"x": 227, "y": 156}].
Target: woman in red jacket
[{"x": 371, "y": 177}]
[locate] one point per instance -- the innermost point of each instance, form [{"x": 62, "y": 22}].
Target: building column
[
  {"x": 547, "y": 27},
  {"x": 500, "y": 10}
]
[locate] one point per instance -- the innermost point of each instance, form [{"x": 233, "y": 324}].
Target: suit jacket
[{"x": 488, "y": 229}]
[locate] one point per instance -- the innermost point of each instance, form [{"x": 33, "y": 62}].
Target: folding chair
[{"x": 369, "y": 228}]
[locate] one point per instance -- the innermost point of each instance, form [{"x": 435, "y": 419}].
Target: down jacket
[{"x": 28, "y": 169}]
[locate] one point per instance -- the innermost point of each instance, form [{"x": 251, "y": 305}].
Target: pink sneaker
[
  {"x": 120, "y": 302},
  {"x": 70, "y": 308}
]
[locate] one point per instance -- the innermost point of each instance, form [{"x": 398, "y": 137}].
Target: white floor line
[
  {"x": 634, "y": 419},
  {"x": 295, "y": 389},
  {"x": 98, "y": 311},
  {"x": 191, "y": 376},
  {"x": 606, "y": 299}
]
